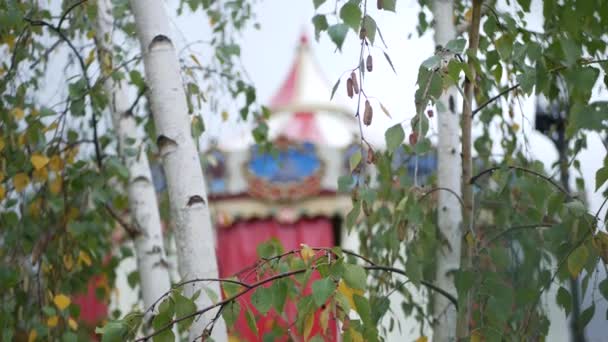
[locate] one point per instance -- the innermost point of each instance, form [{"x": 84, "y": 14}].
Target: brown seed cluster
[
  {"x": 369, "y": 63},
  {"x": 368, "y": 114},
  {"x": 413, "y": 138},
  {"x": 353, "y": 77},
  {"x": 380, "y": 4}
]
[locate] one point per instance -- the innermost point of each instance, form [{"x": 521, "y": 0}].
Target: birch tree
[
  {"x": 185, "y": 182},
  {"x": 449, "y": 177},
  {"x": 147, "y": 235}
]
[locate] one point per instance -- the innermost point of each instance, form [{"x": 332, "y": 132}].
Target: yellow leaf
[
  {"x": 422, "y": 339},
  {"x": 71, "y": 155},
  {"x": 355, "y": 335},
  {"x": 52, "y": 321},
  {"x": 475, "y": 336},
  {"x": 2, "y": 144},
  {"x": 35, "y": 207},
  {"x": 84, "y": 258},
  {"x": 18, "y": 113},
  {"x": 39, "y": 161},
  {"x": 1, "y": 176},
  {"x": 20, "y": 181},
  {"x": 385, "y": 110},
  {"x": 468, "y": 15},
  {"x": 40, "y": 175},
  {"x": 306, "y": 252},
  {"x": 310, "y": 319},
  {"x": 56, "y": 185},
  {"x": 56, "y": 164},
  {"x": 73, "y": 214},
  {"x": 515, "y": 127},
  {"x": 72, "y": 323},
  {"x": 62, "y": 301},
  {"x": 224, "y": 116},
  {"x": 348, "y": 293},
  {"x": 32, "y": 336},
  {"x": 2, "y": 192},
  {"x": 90, "y": 58},
  {"x": 324, "y": 319},
  {"x": 22, "y": 139},
  {"x": 68, "y": 261},
  {"x": 196, "y": 60}
]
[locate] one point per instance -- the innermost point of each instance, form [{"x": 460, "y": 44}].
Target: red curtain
[{"x": 238, "y": 244}]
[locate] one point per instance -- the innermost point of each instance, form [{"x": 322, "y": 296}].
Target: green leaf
[
  {"x": 388, "y": 59},
  {"x": 600, "y": 177},
  {"x": 355, "y": 276},
  {"x": 370, "y": 28},
  {"x": 165, "y": 336},
  {"x": 572, "y": 51},
  {"x": 231, "y": 313},
  {"x": 333, "y": 90},
  {"x": 587, "y": 315},
  {"x": 432, "y": 62},
  {"x": 321, "y": 290},
  {"x": 183, "y": 308},
  {"x": 577, "y": 260},
  {"x": 320, "y": 23},
  {"x": 337, "y": 33},
  {"x": 394, "y": 137},
  {"x": 115, "y": 331},
  {"x": 251, "y": 322},
  {"x": 280, "y": 288},
  {"x": 463, "y": 281},
  {"x": 363, "y": 309},
  {"x": 389, "y": 5},
  {"x": 262, "y": 299},
  {"x": 318, "y": 3},
  {"x": 351, "y": 14},
  {"x": 564, "y": 299},
  {"x": 355, "y": 159},
  {"x": 603, "y": 287},
  {"x": 456, "y": 45}
]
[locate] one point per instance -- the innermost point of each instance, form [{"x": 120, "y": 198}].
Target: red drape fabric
[{"x": 237, "y": 250}]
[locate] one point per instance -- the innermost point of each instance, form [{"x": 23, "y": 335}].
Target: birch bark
[
  {"x": 449, "y": 177},
  {"x": 151, "y": 258},
  {"x": 181, "y": 162}
]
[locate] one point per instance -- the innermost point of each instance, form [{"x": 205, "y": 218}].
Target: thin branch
[
  {"x": 67, "y": 11},
  {"x": 139, "y": 96},
  {"x": 249, "y": 287},
  {"x": 427, "y": 284},
  {"x": 548, "y": 179},
  {"x": 485, "y": 104},
  {"x": 130, "y": 229},
  {"x": 83, "y": 66},
  {"x": 444, "y": 189},
  {"x": 515, "y": 228}
]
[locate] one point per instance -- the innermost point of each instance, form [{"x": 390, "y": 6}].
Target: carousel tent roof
[{"x": 302, "y": 110}]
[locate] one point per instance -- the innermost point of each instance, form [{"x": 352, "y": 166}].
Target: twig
[
  {"x": 444, "y": 189},
  {"x": 67, "y": 11},
  {"x": 485, "y": 104},
  {"x": 130, "y": 229},
  {"x": 520, "y": 227},
  {"x": 492, "y": 169}
]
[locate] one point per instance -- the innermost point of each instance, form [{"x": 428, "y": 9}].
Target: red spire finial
[{"x": 304, "y": 38}]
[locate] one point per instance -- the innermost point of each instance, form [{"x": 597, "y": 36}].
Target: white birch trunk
[
  {"x": 449, "y": 176},
  {"x": 151, "y": 258},
  {"x": 181, "y": 162}
]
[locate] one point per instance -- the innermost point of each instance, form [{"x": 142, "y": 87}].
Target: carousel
[{"x": 291, "y": 196}]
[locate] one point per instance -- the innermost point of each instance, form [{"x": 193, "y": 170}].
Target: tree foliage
[{"x": 61, "y": 198}]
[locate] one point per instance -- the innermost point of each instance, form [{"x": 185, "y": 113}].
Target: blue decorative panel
[{"x": 292, "y": 165}]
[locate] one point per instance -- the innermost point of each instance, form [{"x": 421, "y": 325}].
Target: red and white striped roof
[{"x": 302, "y": 110}]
